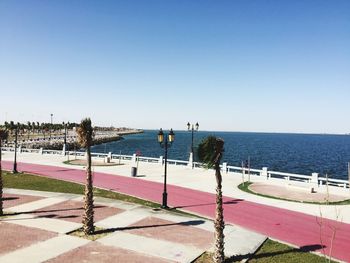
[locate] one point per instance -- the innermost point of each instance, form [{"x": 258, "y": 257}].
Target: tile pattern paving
[
  {"x": 133, "y": 233},
  {"x": 10, "y": 200},
  {"x": 13, "y": 237},
  {"x": 96, "y": 252},
  {"x": 73, "y": 211}
]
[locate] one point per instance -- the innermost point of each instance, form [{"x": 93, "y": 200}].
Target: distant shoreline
[{"x": 56, "y": 142}]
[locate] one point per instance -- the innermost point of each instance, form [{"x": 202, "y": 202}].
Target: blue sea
[{"x": 293, "y": 153}]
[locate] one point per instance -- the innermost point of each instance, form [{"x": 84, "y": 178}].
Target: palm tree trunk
[
  {"x": 1, "y": 186},
  {"x": 219, "y": 224},
  {"x": 88, "y": 218}
]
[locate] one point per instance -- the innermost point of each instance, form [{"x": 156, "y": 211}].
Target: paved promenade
[
  {"x": 193, "y": 191},
  {"x": 129, "y": 232}
]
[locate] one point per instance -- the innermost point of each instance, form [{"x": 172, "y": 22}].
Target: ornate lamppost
[
  {"x": 65, "y": 137},
  {"x": 51, "y": 125},
  {"x": 165, "y": 142},
  {"x": 14, "y": 170},
  {"x": 192, "y": 128}
]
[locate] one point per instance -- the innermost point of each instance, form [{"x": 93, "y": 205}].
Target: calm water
[{"x": 294, "y": 153}]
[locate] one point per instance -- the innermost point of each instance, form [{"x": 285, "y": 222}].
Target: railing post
[
  {"x": 64, "y": 150},
  {"x": 264, "y": 172},
  {"x": 314, "y": 178},
  {"x": 19, "y": 149},
  {"x": 190, "y": 160},
  {"x": 133, "y": 158},
  {"x": 224, "y": 167},
  {"x": 41, "y": 151},
  {"x": 161, "y": 160}
]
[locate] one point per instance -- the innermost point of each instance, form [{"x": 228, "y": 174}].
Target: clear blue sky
[{"x": 274, "y": 66}]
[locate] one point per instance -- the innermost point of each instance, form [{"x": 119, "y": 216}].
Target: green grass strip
[
  {"x": 272, "y": 252},
  {"x": 39, "y": 183},
  {"x": 275, "y": 252}
]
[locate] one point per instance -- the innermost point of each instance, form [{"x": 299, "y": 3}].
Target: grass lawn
[
  {"x": 270, "y": 251},
  {"x": 245, "y": 187},
  {"x": 275, "y": 252},
  {"x": 33, "y": 182}
]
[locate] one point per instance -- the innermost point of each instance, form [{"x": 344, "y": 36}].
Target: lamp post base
[{"x": 165, "y": 199}]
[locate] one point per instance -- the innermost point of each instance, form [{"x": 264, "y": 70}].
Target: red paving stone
[
  {"x": 13, "y": 237},
  {"x": 182, "y": 232},
  {"x": 73, "y": 211},
  {"x": 11, "y": 200},
  {"x": 96, "y": 252}
]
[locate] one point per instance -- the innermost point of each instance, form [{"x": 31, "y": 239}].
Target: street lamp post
[
  {"x": 51, "y": 125},
  {"x": 14, "y": 170},
  {"x": 165, "y": 142},
  {"x": 65, "y": 138},
  {"x": 192, "y": 128}
]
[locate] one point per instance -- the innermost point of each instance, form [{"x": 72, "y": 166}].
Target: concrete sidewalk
[{"x": 133, "y": 233}]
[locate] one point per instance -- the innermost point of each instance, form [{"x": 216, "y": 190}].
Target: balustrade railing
[{"x": 290, "y": 177}]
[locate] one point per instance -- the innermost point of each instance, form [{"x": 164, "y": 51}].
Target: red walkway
[{"x": 295, "y": 228}]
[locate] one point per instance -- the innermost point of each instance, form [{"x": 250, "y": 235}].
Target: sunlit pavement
[{"x": 193, "y": 190}]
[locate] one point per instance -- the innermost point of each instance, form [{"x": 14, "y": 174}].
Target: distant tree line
[{"x": 36, "y": 128}]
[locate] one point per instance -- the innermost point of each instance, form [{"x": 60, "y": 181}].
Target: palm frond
[
  {"x": 85, "y": 133},
  {"x": 209, "y": 149},
  {"x": 3, "y": 134}
]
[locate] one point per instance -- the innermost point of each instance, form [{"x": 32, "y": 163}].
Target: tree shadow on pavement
[
  {"x": 185, "y": 223},
  {"x": 9, "y": 198},
  {"x": 230, "y": 202},
  {"x": 47, "y": 215}
]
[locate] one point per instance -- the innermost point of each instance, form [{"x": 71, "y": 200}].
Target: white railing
[
  {"x": 314, "y": 178},
  {"x": 290, "y": 177},
  {"x": 177, "y": 162},
  {"x": 122, "y": 157},
  {"x": 51, "y": 152},
  {"x": 148, "y": 159},
  {"x": 30, "y": 150},
  {"x": 334, "y": 182}
]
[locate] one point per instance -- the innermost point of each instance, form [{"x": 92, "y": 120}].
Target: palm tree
[
  {"x": 85, "y": 138},
  {"x": 210, "y": 152},
  {"x": 12, "y": 127},
  {"x": 3, "y": 136},
  {"x": 29, "y": 128}
]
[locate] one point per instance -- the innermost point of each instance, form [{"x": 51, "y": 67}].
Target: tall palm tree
[
  {"x": 210, "y": 152},
  {"x": 3, "y": 136},
  {"x": 85, "y": 138},
  {"x": 29, "y": 128}
]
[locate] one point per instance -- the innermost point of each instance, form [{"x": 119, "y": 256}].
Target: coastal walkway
[
  {"x": 126, "y": 232},
  {"x": 192, "y": 190}
]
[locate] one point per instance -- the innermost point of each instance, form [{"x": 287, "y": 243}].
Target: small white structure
[
  {"x": 190, "y": 160},
  {"x": 264, "y": 172}
]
